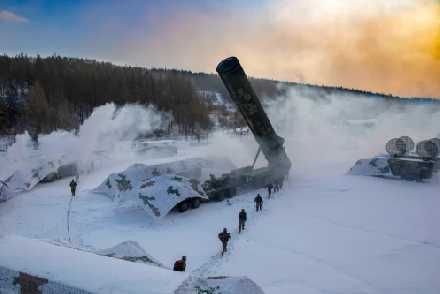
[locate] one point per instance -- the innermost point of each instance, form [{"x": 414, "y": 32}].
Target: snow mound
[
  {"x": 219, "y": 285},
  {"x": 84, "y": 270},
  {"x": 126, "y": 248},
  {"x": 130, "y": 251},
  {"x": 141, "y": 186}
]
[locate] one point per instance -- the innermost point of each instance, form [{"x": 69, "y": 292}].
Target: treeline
[
  {"x": 44, "y": 94},
  {"x": 264, "y": 88}
]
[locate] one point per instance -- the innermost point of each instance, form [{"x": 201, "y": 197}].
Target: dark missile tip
[{"x": 228, "y": 65}]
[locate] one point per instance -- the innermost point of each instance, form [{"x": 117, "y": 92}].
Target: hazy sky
[{"x": 390, "y": 46}]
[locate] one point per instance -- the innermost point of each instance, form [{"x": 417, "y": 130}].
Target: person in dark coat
[
  {"x": 258, "y": 202},
  {"x": 269, "y": 189},
  {"x": 180, "y": 265},
  {"x": 242, "y": 218},
  {"x": 73, "y": 185},
  {"x": 224, "y": 238},
  {"x": 278, "y": 185}
]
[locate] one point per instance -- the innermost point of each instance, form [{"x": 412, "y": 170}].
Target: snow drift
[
  {"x": 83, "y": 270},
  {"x": 130, "y": 251}
]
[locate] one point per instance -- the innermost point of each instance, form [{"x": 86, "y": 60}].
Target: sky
[{"x": 388, "y": 46}]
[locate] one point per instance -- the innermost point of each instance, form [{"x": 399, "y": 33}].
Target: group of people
[
  {"x": 275, "y": 187},
  {"x": 225, "y": 236}
]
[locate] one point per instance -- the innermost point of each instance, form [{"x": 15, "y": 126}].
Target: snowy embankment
[
  {"x": 83, "y": 270},
  {"x": 325, "y": 232}
]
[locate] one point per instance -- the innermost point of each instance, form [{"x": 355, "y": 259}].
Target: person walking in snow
[
  {"x": 224, "y": 238},
  {"x": 279, "y": 184},
  {"x": 242, "y": 218},
  {"x": 73, "y": 185},
  {"x": 258, "y": 202},
  {"x": 180, "y": 265},
  {"x": 269, "y": 189}
]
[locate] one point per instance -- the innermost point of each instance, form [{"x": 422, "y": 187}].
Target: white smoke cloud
[
  {"x": 327, "y": 133},
  {"x": 108, "y": 125},
  {"x": 239, "y": 150},
  {"x": 330, "y": 130},
  {"x": 108, "y": 131}
]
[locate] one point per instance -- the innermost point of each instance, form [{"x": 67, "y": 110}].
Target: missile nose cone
[{"x": 228, "y": 65}]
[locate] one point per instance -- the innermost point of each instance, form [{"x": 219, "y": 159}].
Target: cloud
[
  {"x": 8, "y": 16},
  {"x": 329, "y": 132},
  {"x": 379, "y": 45}
]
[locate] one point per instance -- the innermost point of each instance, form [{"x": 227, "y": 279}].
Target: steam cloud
[
  {"x": 334, "y": 131},
  {"x": 108, "y": 129},
  {"x": 325, "y": 133}
]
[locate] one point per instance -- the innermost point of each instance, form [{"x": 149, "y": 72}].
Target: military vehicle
[
  {"x": 161, "y": 188},
  {"x": 402, "y": 161},
  {"x": 175, "y": 186},
  {"x": 270, "y": 144},
  {"x": 39, "y": 170}
]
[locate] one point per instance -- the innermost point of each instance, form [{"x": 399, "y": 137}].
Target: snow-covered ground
[
  {"x": 83, "y": 270},
  {"x": 344, "y": 234},
  {"x": 325, "y": 232},
  {"x": 320, "y": 234}
]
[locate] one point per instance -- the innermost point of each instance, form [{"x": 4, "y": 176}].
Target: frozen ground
[
  {"x": 322, "y": 234},
  {"x": 325, "y": 232},
  {"x": 344, "y": 234},
  {"x": 83, "y": 270}
]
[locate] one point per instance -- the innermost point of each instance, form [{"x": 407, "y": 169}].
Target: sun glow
[{"x": 384, "y": 46}]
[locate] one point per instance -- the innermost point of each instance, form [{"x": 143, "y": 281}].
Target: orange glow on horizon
[{"x": 376, "y": 45}]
